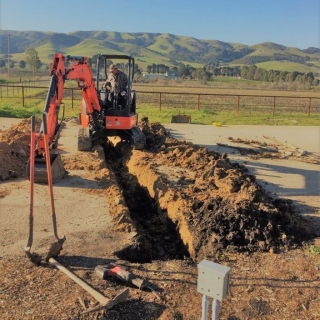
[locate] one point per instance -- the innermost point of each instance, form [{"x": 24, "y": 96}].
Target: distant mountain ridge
[{"x": 150, "y": 48}]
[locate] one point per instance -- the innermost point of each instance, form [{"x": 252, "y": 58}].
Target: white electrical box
[{"x": 213, "y": 279}]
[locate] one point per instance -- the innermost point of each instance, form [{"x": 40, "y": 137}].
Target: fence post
[
  {"x": 72, "y": 99},
  {"x": 274, "y": 105},
  {"x": 238, "y": 105},
  {"x": 23, "y": 96},
  {"x": 309, "y": 107},
  {"x": 160, "y": 101},
  {"x": 198, "y": 101}
]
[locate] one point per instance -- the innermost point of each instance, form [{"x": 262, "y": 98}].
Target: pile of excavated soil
[
  {"x": 214, "y": 203},
  {"x": 15, "y": 149},
  {"x": 184, "y": 199}
]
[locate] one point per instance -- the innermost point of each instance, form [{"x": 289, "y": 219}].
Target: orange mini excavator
[{"x": 104, "y": 112}]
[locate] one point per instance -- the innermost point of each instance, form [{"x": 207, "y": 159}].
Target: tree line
[
  {"x": 32, "y": 59},
  {"x": 207, "y": 73},
  {"x": 252, "y": 72},
  {"x": 259, "y": 74}
]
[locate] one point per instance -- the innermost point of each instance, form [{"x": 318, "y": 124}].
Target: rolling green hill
[{"x": 159, "y": 48}]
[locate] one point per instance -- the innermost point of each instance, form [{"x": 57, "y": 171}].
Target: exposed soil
[
  {"x": 273, "y": 149},
  {"x": 183, "y": 204}
]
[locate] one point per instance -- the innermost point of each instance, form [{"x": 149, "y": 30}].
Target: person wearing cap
[
  {"x": 117, "y": 84},
  {"x": 117, "y": 80}
]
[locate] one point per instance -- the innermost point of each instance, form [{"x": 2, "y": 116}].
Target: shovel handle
[
  {"x": 97, "y": 295},
  {"x": 31, "y": 178},
  {"x": 49, "y": 173},
  {"x": 32, "y": 159},
  {"x": 48, "y": 163}
]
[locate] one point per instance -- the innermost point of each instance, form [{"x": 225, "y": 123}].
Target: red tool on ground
[
  {"x": 112, "y": 270},
  {"x": 105, "y": 303}
]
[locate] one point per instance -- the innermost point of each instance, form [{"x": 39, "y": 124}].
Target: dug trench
[
  {"x": 158, "y": 237},
  {"x": 188, "y": 202}
]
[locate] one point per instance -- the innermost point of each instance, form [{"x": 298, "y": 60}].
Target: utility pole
[{"x": 8, "y": 55}]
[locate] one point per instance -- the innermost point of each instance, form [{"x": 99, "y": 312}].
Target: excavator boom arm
[{"x": 79, "y": 70}]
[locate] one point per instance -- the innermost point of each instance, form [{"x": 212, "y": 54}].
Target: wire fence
[{"x": 239, "y": 103}]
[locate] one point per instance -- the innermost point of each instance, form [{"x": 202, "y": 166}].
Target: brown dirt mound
[
  {"x": 15, "y": 149},
  {"x": 215, "y": 203}
]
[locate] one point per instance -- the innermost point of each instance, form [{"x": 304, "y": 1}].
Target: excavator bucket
[
  {"x": 139, "y": 139},
  {"x": 40, "y": 169},
  {"x": 84, "y": 139}
]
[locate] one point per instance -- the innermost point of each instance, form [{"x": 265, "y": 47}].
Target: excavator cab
[
  {"x": 113, "y": 101},
  {"x": 118, "y": 114}
]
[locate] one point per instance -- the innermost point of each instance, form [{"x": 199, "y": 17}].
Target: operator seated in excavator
[{"x": 116, "y": 85}]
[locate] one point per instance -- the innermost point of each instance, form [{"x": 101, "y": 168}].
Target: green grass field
[
  {"x": 227, "y": 115},
  {"x": 203, "y": 116},
  {"x": 287, "y": 66},
  {"x": 209, "y": 117},
  {"x": 227, "y": 100}
]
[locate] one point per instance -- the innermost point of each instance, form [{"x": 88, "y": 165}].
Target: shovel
[
  {"x": 56, "y": 247},
  {"x": 33, "y": 257}
]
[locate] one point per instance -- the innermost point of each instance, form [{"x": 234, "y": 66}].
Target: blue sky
[{"x": 288, "y": 22}]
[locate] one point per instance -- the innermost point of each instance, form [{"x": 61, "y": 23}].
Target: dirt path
[{"x": 81, "y": 205}]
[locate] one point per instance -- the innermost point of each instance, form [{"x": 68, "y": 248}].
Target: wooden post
[
  {"x": 238, "y": 105},
  {"x": 72, "y": 99},
  {"x": 22, "y": 96},
  {"x": 309, "y": 109},
  {"x": 274, "y": 105},
  {"x": 160, "y": 101},
  {"x": 198, "y": 101}
]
